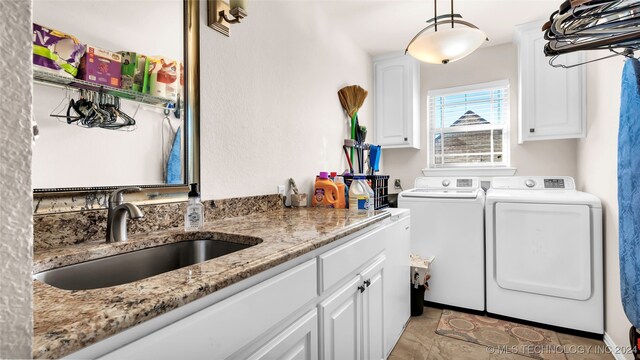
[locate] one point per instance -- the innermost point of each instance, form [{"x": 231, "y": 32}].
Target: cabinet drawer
[
  {"x": 343, "y": 261},
  {"x": 223, "y": 328}
]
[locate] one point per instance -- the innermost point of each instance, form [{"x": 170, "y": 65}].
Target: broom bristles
[{"x": 351, "y": 98}]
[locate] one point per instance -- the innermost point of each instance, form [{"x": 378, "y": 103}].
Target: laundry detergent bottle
[
  {"x": 342, "y": 192},
  {"x": 325, "y": 192}
]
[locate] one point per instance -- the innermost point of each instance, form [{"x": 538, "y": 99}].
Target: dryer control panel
[{"x": 534, "y": 183}]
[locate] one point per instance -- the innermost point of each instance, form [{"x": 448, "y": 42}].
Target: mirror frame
[{"x": 191, "y": 114}]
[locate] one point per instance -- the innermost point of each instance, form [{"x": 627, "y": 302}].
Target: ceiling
[{"x": 387, "y": 26}]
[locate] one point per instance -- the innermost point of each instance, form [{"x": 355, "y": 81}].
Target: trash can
[
  {"x": 417, "y": 300},
  {"x": 420, "y": 274}
]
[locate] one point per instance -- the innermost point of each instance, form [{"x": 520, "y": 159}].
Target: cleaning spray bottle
[{"x": 194, "y": 217}]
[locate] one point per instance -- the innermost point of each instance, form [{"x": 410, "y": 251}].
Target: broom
[{"x": 352, "y": 97}]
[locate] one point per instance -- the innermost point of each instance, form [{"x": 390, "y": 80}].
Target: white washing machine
[
  {"x": 447, "y": 221},
  {"x": 544, "y": 252}
]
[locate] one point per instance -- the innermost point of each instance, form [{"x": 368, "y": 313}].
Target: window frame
[{"x": 506, "y": 149}]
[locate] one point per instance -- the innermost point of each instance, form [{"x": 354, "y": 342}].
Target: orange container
[
  {"x": 325, "y": 192},
  {"x": 342, "y": 190}
]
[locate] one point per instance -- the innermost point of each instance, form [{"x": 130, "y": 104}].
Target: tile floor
[{"x": 420, "y": 342}]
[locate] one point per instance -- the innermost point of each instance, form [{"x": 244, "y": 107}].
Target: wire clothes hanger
[
  {"x": 95, "y": 110},
  {"x": 580, "y": 25}
]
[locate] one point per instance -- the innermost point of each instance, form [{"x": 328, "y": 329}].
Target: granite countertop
[{"x": 66, "y": 321}]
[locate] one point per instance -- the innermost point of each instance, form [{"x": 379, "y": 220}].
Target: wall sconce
[{"x": 223, "y": 13}]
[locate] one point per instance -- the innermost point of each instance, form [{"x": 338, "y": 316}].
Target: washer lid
[
  {"x": 439, "y": 193},
  {"x": 542, "y": 197}
]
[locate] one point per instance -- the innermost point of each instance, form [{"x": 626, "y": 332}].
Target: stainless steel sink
[{"x": 136, "y": 265}]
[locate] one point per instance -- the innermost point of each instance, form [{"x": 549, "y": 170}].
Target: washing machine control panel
[
  {"x": 450, "y": 183},
  {"x": 554, "y": 183}
]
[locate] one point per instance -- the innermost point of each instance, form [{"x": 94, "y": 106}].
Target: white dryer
[
  {"x": 447, "y": 221},
  {"x": 544, "y": 252}
]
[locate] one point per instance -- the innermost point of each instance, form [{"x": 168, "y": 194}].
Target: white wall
[
  {"x": 557, "y": 157},
  {"x": 15, "y": 181},
  {"x": 597, "y": 174},
  {"x": 70, "y": 156},
  {"x": 270, "y": 108}
]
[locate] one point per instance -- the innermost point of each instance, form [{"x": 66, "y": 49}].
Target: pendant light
[{"x": 445, "y": 44}]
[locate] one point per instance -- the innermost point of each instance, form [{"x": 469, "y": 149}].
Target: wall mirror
[{"x": 115, "y": 95}]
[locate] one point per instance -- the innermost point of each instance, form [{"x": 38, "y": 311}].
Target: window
[{"x": 468, "y": 126}]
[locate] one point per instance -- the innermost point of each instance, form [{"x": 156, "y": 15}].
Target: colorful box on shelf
[
  {"x": 135, "y": 72},
  {"x": 128, "y": 69},
  {"x": 163, "y": 78},
  {"x": 101, "y": 66},
  {"x": 141, "y": 76},
  {"x": 56, "y": 52}
]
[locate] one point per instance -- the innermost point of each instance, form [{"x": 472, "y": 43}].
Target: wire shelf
[{"x": 46, "y": 78}]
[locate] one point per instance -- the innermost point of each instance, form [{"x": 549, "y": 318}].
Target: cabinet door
[
  {"x": 373, "y": 311},
  {"x": 396, "y": 102},
  {"x": 552, "y": 100},
  {"x": 397, "y": 307},
  {"x": 341, "y": 323},
  {"x": 297, "y": 342}
]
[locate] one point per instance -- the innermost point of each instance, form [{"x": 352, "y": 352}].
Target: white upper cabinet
[
  {"x": 552, "y": 100},
  {"x": 397, "y": 101}
]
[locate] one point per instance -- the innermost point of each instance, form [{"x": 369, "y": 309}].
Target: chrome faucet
[{"x": 119, "y": 211}]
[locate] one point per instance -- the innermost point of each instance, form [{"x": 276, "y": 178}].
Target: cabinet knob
[
  {"x": 361, "y": 288},
  {"x": 532, "y": 130},
  {"x": 367, "y": 282},
  {"x": 406, "y": 139}
]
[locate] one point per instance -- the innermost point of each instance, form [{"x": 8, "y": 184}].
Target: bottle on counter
[
  {"x": 325, "y": 192},
  {"x": 372, "y": 196},
  {"x": 194, "y": 217},
  {"x": 359, "y": 195},
  {"x": 342, "y": 192}
]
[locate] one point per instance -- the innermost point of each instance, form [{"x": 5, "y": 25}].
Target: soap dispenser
[{"x": 194, "y": 218}]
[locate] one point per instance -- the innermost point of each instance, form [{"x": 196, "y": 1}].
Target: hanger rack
[
  {"x": 584, "y": 25},
  {"x": 54, "y": 80}
]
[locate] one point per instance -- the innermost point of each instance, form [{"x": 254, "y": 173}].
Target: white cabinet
[
  {"x": 346, "y": 301},
  {"x": 397, "y": 297},
  {"x": 551, "y": 100},
  {"x": 352, "y": 317},
  {"x": 297, "y": 342},
  {"x": 373, "y": 312},
  {"x": 341, "y": 315},
  {"x": 397, "y": 101}
]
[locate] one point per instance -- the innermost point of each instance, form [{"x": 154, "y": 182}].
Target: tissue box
[
  {"x": 163, "y": 78},
  {"x": 128, "y": 69},
  {"x": 101, "y": 66},
  {"x": 56, "y": 52}
]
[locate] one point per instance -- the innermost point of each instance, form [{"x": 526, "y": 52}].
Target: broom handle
[{"x": 353, "y": 130}]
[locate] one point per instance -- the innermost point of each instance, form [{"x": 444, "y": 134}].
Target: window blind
[{"x": 468, "y": 127}]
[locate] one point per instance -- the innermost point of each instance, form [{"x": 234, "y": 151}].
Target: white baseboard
[{"x": 612, "y": 345}]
